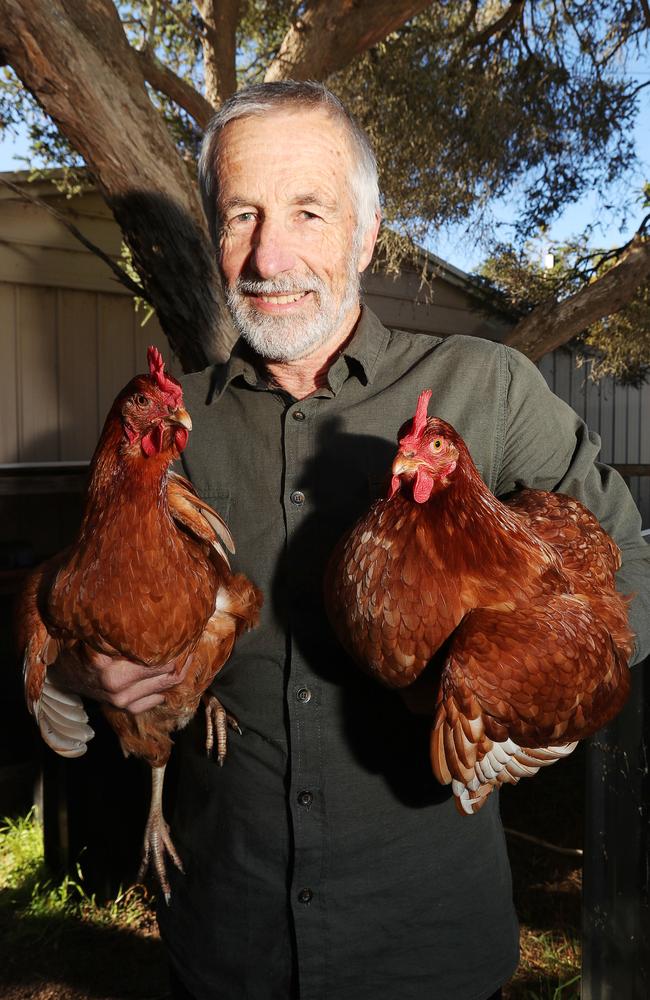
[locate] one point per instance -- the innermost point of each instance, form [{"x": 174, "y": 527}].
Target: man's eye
[
  {"x": 304, "y": 214},
  {"x": 242, "y": 221}
]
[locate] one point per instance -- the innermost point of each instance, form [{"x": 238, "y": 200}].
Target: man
[{"x": 323, "y": 861}]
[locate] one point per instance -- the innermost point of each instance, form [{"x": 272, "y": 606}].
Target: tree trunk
[
  {"x": 328, "y": 34},
  {"x": 219, "y": 47},
  {"x": 554, "y": 323},
  {"x": 75, "y": 59}
]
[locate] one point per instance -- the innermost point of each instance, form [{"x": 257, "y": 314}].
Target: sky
[{"x": 461, "y": 250}]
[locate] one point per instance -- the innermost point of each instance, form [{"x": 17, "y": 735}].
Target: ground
[{"x": 60, "y": 945}]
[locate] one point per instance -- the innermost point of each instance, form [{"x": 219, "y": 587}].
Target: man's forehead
[
  {"x": 306, "y": 149},
  {"x": 296, "y": 130}
]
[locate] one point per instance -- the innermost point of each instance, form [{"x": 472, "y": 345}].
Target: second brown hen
[{"x": 515, "y": 600}]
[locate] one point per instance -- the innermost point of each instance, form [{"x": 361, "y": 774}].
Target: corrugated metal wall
[
  {"x": 64, "y": 355},
  {"x": 620, "y": 414}
]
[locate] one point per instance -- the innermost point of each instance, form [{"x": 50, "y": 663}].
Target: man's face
[{"x": 290, "y": 253}]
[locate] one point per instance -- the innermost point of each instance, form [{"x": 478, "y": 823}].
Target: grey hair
[{"x": 264, "y": 98}]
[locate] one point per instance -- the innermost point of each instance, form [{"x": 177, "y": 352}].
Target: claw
[
  {"x": 218, "y": 720},
  {"x": 157, "y": 839}
]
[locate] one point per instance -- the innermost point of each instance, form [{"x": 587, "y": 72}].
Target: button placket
[{"x": 304, "y": 709}]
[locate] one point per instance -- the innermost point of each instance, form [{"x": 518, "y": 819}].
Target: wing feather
[
  {"x": 520, "y": 688},
  {"x": 196, "y": 516}
]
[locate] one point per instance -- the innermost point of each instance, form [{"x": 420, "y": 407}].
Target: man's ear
[{"x": 368, "y": 243}]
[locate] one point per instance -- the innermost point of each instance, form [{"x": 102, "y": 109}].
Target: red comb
[
  {"x": 171, "y": 389},
  {"x": 419, "y": 420}
]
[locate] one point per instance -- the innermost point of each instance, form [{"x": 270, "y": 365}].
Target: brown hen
[
  {"x": 148, "y": 580},
  {"x": 515, "y": 600}
]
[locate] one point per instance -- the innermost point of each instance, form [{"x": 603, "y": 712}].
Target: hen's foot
[
  {"x": 217, "y": 721},
  {"x": 157, "y": 839}
]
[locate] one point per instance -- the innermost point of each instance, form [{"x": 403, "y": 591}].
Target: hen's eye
[
  {"x": 436, "y": 444},
  {"x": 142, "y": 400}
]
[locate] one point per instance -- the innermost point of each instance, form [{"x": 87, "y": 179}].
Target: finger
[
  {"x": 119, "y": 675},
  {"x": 144, "y": 704},
  {"x": 126, "y": 696}
]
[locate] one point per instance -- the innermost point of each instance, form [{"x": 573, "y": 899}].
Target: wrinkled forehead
[{"x": 304, "y": 146}]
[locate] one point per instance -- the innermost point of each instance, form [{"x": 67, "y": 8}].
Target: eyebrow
[{"x": 235, "y": 202}]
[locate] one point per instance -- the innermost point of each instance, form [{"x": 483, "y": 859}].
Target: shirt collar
[
  {"x": 240, "y": 364},
  {"x": 359, "y": 357},
  {"x": 362, "y": 353}
]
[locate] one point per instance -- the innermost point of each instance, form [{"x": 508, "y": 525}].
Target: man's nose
[{"x": 272, "y": 252}]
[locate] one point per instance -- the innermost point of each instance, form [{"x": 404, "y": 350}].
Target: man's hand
[{"x": 119, "y": 682}]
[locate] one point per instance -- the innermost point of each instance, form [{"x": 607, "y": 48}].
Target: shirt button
[
  {"x": 298, "y": 415},
  {"x": 297, "y": 497},
  {"x": 305, "y": 896},
  {"x": 303, "y": 694},
  {"x": 305, "y": 798}
]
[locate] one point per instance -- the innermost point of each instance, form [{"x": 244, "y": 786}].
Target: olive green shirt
[{"x": 324, "y": 857}]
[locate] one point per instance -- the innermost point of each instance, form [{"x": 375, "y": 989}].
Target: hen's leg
[
  {"x": 217, "y": 721},
  {"x": 157, "y": 840}
]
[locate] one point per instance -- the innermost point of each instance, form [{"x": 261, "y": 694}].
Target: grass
[
  {"x": 62, "y": 944},
  {"x": 59, "y": 943}
]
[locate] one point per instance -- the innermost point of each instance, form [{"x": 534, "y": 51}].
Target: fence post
[{"x": 616, "y": 887}]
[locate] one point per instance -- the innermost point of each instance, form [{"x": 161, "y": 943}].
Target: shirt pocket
[{"x": 220, "y": 499}]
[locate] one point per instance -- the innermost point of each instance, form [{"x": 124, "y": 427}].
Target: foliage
[
  {"x": 616, "y": 346},
  {"x": 619, "y": 345},
  {"x": 460, "y": 115}
]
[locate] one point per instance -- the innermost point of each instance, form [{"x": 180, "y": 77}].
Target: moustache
[{"x": 284, "y": 285}]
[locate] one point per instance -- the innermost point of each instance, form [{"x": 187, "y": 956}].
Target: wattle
[
  {"x": 423, "y": 486},
  {"x": 152, "y": 442}
]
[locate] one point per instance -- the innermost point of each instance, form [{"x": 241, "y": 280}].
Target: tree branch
[
  {"x": 571, "y": 852},
  {"x": 167, "y": 82},
  {"x": 151, "y": 27},
  {"x": 119, "y": 272},
  {"x": 330, "y": 33},
  {"x": 497, "y": 27},
  {"x": 466, "y": 23},
  {"x": 219, "y": 43},
  {"x": 553, "y": 323},
  {"x": 646, "y": 12}
]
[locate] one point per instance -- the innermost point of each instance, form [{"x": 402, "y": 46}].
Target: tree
[
  {"x": 617, "y": 343},
  {"x": 465, "y": 101}
]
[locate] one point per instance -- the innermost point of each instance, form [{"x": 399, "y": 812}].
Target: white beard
[{"x": 289, "y": 338}]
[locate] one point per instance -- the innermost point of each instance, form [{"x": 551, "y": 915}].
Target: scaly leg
[
  {"x": 217, "y": 721},
  {"x": 157, "y": 840}
]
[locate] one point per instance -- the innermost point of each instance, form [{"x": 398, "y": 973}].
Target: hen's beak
[
  {"x": 181, "y": 417},
  {"x": 404, "y": 465}
]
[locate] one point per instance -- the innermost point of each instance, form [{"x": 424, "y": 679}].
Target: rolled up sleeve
[{"x": 547, "y": 446}]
